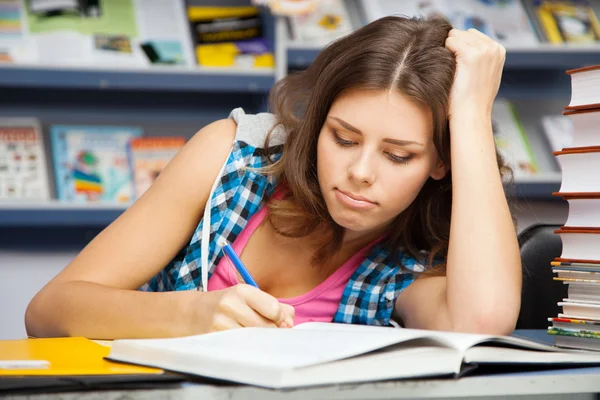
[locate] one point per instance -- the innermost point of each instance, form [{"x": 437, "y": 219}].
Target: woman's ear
[{"x": 439, "y": 171}]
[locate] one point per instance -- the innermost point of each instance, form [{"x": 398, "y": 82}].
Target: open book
[{"x": 319, "y": 353}]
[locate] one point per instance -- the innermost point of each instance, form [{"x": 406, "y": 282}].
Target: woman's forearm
[
  {"x": 483, "y": 266},
  {"x": 101, "y": 312}
]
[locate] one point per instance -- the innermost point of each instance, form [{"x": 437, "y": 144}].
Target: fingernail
[{"x": 289, "y": 322}]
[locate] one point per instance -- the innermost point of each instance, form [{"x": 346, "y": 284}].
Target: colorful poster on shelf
[
  {"x": 112, "y": 33},
  {"x": 23, "y": 171},
  {"x": 148, "y": 156},
  {"x": 91, "y": 163}
]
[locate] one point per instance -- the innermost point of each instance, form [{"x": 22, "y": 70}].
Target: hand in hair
[
  {"x": 240, "y": 306},
  {"x": 479, "y": 63}
]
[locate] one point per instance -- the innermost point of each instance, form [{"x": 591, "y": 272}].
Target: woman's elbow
[
  {"x": 494, "y": 320},
  {"x": 38, "y": 315},
  {"x": 32, "y": 318}
]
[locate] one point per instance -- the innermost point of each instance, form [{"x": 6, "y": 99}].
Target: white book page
[
  {"x": 280, "y": 348},
  {"x": 458, "y": 341}
]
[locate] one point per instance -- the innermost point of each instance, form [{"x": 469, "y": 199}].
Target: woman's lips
[{"x": 354, "y": 201}]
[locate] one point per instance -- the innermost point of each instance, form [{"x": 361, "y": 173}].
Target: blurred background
[{"x": 96, "y": 96}]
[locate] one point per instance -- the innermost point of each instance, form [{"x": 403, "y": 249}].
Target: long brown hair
[{"x": 393, "y": 53}]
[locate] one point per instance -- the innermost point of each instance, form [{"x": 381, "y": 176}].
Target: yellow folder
[{"x": 61, "y": 357}]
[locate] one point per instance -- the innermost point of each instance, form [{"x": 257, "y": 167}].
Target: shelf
[
  {"x": 544, "y": 56},
  {"x": 173, "y": 79},
  {"x": 551, "y": 56},
  {"x": 58, "y": 214}
]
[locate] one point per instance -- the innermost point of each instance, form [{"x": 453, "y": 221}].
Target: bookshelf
[{"x": 179, "y": 101}]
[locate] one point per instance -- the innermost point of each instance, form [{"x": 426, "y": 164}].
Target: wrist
[
  {"x": 471, "y": 111},
  {"x": 190, "y": 305},
  {"x": 471, "y": 120}
]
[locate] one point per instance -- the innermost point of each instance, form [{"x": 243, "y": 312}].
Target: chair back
[{"x": 539, "y": 245}]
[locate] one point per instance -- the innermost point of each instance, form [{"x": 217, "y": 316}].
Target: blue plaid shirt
[{"x": 239, "y": 192}]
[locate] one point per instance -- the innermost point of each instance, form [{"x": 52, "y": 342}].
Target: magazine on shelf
[
  {"x": 229, "y": 36},
  {"x": 511, "y": 139},
  {"x": 23, "y": 167},
  {"x": 505, "y": 21},
  {"x": 91, "y": 163},
  {"x": 148, "y": 156},
  {"x": 110, "y": 33}
]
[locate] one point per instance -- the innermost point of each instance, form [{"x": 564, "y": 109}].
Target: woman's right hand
[{"x": 239, "y": 306}]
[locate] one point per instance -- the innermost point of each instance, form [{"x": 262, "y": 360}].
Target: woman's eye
[
  {"x": 398, "y": 159},
  {"x": 340, "y": 141}
]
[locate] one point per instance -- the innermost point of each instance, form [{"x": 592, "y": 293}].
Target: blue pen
[{"x": 230, "y": 253}]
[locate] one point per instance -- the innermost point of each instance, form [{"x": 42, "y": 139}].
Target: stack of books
[{"x": 578, "y": 326}]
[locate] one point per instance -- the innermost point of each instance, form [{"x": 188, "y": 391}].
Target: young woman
[{"x": 373, "y": 193}]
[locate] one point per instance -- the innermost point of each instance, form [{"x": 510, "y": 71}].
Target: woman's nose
[{"x": 361, "y": 170}]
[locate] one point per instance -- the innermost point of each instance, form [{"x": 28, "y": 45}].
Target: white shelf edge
[{"x": 227, "y": 71}]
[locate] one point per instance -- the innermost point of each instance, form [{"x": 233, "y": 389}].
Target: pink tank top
[{"x": 320, "y": 303}]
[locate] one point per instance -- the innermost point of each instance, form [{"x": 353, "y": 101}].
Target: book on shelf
[
  {"x": 568, "y": 21},
  {"x": 148, "y": 156},
  {"x": 91, "y": 163},
  {"x": 229, "y": 36},
  {"x": 585, "y": 88},
  {"x": 329, "y": 21},
  {"x": 579, "y": 263},
  {"x": 23, "y": 168},
  {"x": 530, "y": 7},
  {"x": 326, "y": 353},
  {"x": 511, "y": 139}
]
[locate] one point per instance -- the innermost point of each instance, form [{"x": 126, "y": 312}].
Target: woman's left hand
[{"x": 479, "y": 63}]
